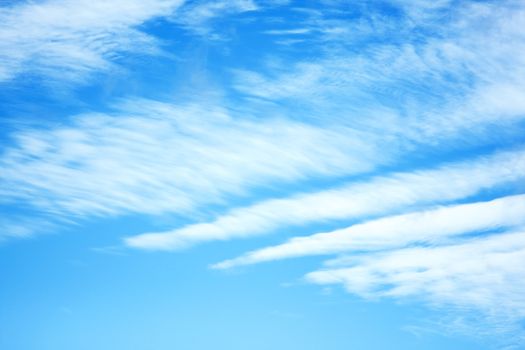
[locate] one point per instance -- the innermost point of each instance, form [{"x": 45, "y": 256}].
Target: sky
[{"x": 262, "y": 174}]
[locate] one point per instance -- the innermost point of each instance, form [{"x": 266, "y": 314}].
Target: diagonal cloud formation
[
  {"x": 380, "y": 195},
  {"x": 424, "y": 227},
  {"x": 154, "y": 158}
]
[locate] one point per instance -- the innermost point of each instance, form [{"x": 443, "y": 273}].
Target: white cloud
[
  {"x": 463, "y": 79},
  {"x": 295, "y": 31},
  {"x": 430, "y": 226},
  {"x": 20, "y": 226},
  {"x": 380, "y": 195},
  {"x": 483, "y": 273},
  {"x": 152, "y": 158},
  {"x": 197, "y": 15},
  {"x": 69, "y": 39}
]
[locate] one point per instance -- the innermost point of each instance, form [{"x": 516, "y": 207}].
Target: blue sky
[{"x": 262, "y": 174}]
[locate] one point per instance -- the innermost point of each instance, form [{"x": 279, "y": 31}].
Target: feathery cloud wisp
[
  {"x": 153, "y": 158},
  {"x": 66, "y": 39},
  {"x": 424, "y": 227},
  {"x": 483, "y": 273},
  {"x": 380, "y": 195}
]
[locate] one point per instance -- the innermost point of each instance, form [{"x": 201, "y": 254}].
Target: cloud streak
[
  {"x": 378, "y": 196},
  {"x": 152, "y": 158},
  {"x": 397, "y": 128},
  {"x": 425, "y": 227}
]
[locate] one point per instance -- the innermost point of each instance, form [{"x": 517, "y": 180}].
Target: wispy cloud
[
  {"x": 198, "y": 15},
  {"x": 482, "y": 273},
  {"x": 378, "y": 196},
  {"x": 150, "y": 157},
  {"x": 448, "y": 74},
  {"x": 65, "y": 39},
  {"x": 400, "y": 129},
  {"x": 296, "y": 31},
  {"x": 425, "y": 227},
  {"x": 455, "y": 81},
  {"x": 22, "y": 226}
]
